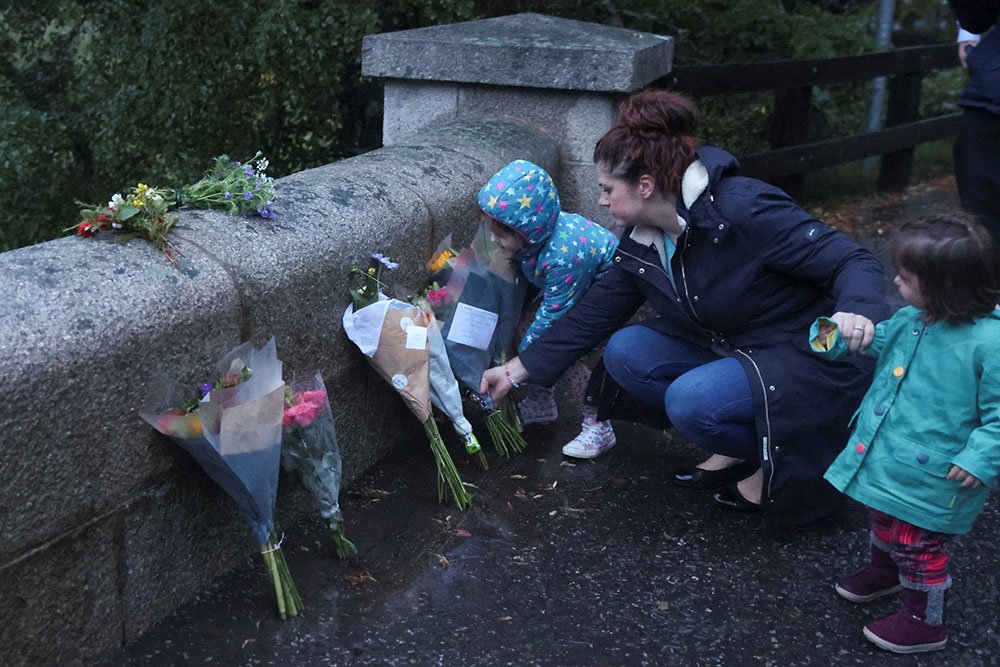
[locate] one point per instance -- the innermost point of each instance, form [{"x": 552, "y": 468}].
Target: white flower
[
  {"x": 157, "y": 199},
  {"x": 117, "y": 225},
  {"x": 116, "y": 201},
  {"x": 262, "y": 165}
]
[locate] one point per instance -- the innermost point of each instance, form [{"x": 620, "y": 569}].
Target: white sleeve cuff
[{"x": 966, "y": 36}]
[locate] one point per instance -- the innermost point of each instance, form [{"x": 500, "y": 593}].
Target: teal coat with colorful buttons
[{"x": 934, "y": 403}]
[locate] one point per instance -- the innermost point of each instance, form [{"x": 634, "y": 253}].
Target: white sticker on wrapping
[
  {"x": 416, "y": 338},
  {"x": 472, "y": 326},
  {"x": 399, "y": 381},
  {"x": 405, "y": 323}
]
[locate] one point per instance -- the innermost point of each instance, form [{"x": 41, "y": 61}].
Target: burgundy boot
[
  {"x": 910, "y": 630},
  {"x": 879, "y": 577}
]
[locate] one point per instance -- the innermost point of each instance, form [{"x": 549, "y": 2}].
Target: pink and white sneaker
[{"x": 595, "y": 438}]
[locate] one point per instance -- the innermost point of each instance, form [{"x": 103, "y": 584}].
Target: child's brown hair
[
  {"x": 955, "y": 261},
  {"x": 500, "y": 230}
]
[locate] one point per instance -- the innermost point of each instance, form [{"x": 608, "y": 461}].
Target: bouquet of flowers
[
  {"x": 240, "y": 188},
  {"x": 439, "y": 267},
  {"x": 395, "y": 335},
  {"x": 488, "y": 293},
  {"x": 309, "y": 445},
  {"x": 234, "y": 433},
  {"x": 142, "y": 211}
]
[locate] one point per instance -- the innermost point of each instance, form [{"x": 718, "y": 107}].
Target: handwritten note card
[{"x": 472, "y": 326}]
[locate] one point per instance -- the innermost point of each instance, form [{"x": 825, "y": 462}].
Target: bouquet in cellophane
[
  {"x": 485, "y": 294},
  {"x": 309, "y": 446},
  {"x": 233, "y": 431},
  {"x": 396, "y": 338}
]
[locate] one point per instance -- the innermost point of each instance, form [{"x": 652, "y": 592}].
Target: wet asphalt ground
[
  {"x": 563, "y": 562},
  {"x": 567, "y": 562}
]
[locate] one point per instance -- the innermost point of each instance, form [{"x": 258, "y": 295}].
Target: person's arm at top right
[{"x": 966, "y": 41}]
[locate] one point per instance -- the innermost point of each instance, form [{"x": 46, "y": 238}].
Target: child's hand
[{"x": 967, "y": 480}]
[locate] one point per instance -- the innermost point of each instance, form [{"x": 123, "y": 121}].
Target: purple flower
[
  {"x": 385, "y": 261},
  {"x": 206, "y": 389},
  {"x": 247, "y": 195},
  {"x": 228, "y": 195},
  {"x": 248, "y": 170},
  {"x": 266, "y": 211}
]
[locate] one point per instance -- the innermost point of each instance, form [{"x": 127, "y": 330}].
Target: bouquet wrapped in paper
[
  {"x": 309, "y": 446},
  {"x": 487, "y": 293},
  {"x": 234, "y": 433},
  {"x": 396, "y": 337}
]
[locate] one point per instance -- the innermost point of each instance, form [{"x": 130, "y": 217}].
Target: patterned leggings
[{"x": 918, "y": 553}]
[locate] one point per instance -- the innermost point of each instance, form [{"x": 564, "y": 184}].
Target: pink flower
[{"x": 308, "y": 405}]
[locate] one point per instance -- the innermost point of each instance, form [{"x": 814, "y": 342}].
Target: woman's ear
[{"x": 647, "y": 186}]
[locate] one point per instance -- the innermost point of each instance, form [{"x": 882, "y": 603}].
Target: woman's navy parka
[{"x": 752, "y": 271}]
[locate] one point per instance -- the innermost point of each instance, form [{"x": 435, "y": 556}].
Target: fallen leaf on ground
[
  {"x": 567, "y": 464},
  {"x": 522, "y": 494},
  {"x": 462, "y": 532},
  {"x": 247, "y": 641},
  {"x": 358, "y": 579},
  {"x": 442, "y": 561},
  {"x": 662, "y": 605},
  {"x": 519, "y": 477},
  {"x": 506, "y": 618},
  {"x": 553, "y": 513}
]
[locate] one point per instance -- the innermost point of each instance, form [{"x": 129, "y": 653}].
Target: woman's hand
[
  {"x": 966, "y": 479},
  {"x": 499, "y": 380},
  {"x": 856, "y": 330}
]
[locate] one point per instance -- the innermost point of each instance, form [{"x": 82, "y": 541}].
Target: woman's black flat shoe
[
  {"x": 696, "y": 478},
  {"x": 730, "y": 498}
]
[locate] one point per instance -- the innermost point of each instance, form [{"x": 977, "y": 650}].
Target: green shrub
[{"x": 100, "y": 94}]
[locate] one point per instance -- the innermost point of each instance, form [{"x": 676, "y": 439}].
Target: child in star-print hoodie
[{"x": 560, "y": 253}]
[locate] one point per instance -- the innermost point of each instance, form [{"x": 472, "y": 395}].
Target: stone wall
[{"x": 105, "y": 526}]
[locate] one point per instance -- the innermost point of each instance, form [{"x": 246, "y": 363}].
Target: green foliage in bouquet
[
  {"x": 240, "y": 188},
  {"x": 142, "y": 212}
]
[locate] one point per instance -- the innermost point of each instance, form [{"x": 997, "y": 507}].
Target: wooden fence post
[
  {"x": 789, "y": 126},
  {"x": 903, "y": 107}
]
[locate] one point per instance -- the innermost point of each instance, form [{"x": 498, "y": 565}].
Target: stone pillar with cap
[{"x": 564, "y": 76}]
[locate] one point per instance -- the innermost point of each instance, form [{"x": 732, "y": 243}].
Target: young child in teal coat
[
  {"x": 561, "y": 254},
  {"x": 925, "y": 448}
]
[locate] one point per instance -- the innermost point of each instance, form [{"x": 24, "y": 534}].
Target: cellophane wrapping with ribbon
[
  {"x": 234, "y": 434},
  {"x": 309, "y": 447}
]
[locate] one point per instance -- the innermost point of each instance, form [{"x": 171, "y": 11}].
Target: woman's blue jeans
[{"x": 707, "y": 397}]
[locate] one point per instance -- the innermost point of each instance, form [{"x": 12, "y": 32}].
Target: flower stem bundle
[
  {"x": 240, "y": 188},
  {"x": 506, "y": 438},
  {"x": 448, "y": 479},
  {"x": 343, "y": 546},
  {"x": 285, "y": 591}
]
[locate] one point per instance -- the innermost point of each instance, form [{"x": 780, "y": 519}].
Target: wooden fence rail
[{"x": 792, "y": 81}]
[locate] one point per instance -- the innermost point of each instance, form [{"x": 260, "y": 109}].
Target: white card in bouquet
[
  {"x": 416, "y": 337},
  {"x": 472, "y": 326}
]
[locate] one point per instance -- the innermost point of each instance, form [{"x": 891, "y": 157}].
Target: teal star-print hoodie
[{"x": 566, "y": 252}]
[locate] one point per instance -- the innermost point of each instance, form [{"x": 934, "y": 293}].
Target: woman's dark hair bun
[{"x": 659, "y": 112}]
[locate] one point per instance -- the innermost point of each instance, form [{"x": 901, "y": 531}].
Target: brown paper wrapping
[{"x": 394, "y": 360}]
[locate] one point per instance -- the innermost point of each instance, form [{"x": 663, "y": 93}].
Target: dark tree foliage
[{"x": 100, "y": 94}]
